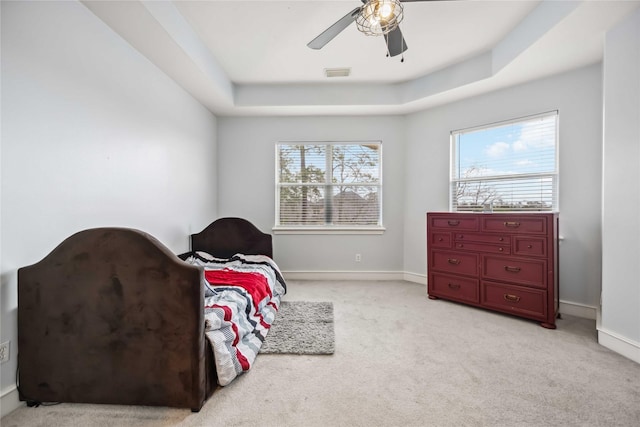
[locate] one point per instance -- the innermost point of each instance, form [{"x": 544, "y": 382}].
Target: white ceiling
[{"x": 251, "y": 57}]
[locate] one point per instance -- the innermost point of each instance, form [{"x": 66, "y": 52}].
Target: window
[
  {"x": 507, "y": 166},
  {"x": 326, "y": 186}
]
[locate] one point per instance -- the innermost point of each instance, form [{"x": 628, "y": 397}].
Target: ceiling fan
[{"x": 374, "y": 18}]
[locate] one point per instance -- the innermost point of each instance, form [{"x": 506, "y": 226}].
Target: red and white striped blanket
[{"x": 242, "y": 296}]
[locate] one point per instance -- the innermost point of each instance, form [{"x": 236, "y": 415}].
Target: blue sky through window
[
  {"x": 515, "y": 148},
  {"x": 510, "y": 165}
]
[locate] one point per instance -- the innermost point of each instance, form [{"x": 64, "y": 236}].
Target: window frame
[
  {"x": 328, "y": 228},
  {"x": 553, "y": 175}
]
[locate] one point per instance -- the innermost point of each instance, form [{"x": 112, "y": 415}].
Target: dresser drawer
[
  {"x": 528, "y": 272},
  {"x": 460, "y": 222},
  {"x": 530, "y": 246},
  {"x": 441, "y": 240},
  {"x": 454, "y": 262},
  {"x": 482, "y": 247},
  {"x": 500, "y": 239},
  {"x": 453, "y": 287},
  {"x": 515, "y": 224},
  {"x": 514, "y": 299}
]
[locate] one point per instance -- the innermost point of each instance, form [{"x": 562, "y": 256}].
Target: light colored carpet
[
  {"x": 301, "y": 327},
  {"x": 404, "y": 360}
]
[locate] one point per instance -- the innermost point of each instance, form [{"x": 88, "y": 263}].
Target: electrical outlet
[
  {"x": 358, "y": 257},
  {"x": 4, "y": 352}
]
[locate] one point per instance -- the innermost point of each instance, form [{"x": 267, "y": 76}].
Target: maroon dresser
[{"x": 498, "y": 261}]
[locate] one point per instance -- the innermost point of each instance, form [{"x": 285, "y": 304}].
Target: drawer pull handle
[
  {"x": 454, "y": 286},
  {"x": 453, "y": 261},
  {"x": 501, "y": 239},
  {"x": 440, "y": 239},
  {"x": 512, "y": 269},
  {"x": 453, "y": 222},
  {"x": 501, "y": 249},
  {"x": 512, "y": 224},
  {"x": 460, "y": 245},
  {"x": 511, "y": 298},
  {"x": 529, "y": 246}
]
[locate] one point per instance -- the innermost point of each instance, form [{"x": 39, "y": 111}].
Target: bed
[{"x": 111, "y": 315}]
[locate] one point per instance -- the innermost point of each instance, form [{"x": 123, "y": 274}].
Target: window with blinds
[
  {"x": 328, "y": 185},
  {"x": 507, "y": 166}
]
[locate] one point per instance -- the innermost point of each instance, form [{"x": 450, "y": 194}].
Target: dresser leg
[
  {"x": 432, "y": 297},
  {"x": 548, "y": 325}
]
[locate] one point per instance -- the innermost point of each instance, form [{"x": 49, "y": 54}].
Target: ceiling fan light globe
[
  {"x": 386, "y": 10},
  {"x": 379, "y": 17}
]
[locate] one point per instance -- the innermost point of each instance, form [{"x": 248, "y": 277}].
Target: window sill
[{"x": 327, "y": 230}]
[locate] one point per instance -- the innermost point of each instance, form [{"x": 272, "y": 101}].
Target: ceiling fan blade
[
  {"x": 395, "y": 42},
  {"x": 327, "y": 35}
]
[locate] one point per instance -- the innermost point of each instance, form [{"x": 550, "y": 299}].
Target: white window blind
[
  {"x": 507, "y": 166},
  {"x": 328, "y": 184}
]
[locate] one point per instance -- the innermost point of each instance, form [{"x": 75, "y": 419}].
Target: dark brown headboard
[{"x": 226, "y": 237}]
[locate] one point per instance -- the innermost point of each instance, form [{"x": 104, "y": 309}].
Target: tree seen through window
[{"x": 329, "y": 184}]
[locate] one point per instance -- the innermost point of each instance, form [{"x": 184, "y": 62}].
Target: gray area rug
[{"x": 301, "y": 327}]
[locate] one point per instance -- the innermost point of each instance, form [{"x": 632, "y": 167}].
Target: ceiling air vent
[{"x": 337, "y": 72}]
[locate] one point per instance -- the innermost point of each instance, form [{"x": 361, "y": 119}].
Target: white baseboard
[
  {"x": 342, "y": 275},
  {"x": 9, "y": 401},
  {"x": 356, "y": 275},
  {"x": 578, "y": 310},
  {"x": 416, "y": 278},
  {"x": 621, "y": 345}
]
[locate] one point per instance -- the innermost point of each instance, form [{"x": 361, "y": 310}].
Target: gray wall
[
  {"x": 620, "y": 325},
  {"x": 92, "y": 135},
  {"x": 416, "y": 176},
  {"x": 246, "y": 172},
  {"x": 578, "y": 97}
]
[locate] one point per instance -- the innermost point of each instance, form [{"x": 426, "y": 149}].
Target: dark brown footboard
[{"x": 112, "y": 316}]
